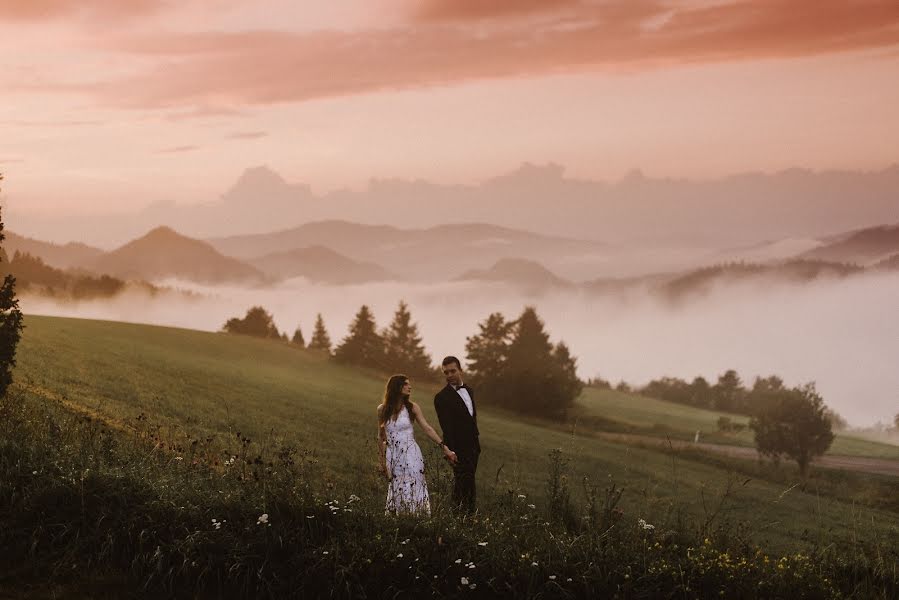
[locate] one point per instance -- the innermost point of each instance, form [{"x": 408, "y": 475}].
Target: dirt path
[{"x": 880, "y": 466}]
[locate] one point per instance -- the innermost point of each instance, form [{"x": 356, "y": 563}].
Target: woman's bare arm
[{"x": 429, "y": 431}]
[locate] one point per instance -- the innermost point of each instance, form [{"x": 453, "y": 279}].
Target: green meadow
[{"x": 169, "y": 388}]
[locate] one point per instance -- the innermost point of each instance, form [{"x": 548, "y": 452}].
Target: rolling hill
[
  {"x": 211, "y": 385},
  {"x": 320, "y": 264},
  {"x": 863, "y": 247},
  {"x": 164, "y": 253},
  {"x": 65, "y": 256},
  {"x": 526, "y": 274},
  {"x": 434, "y": 254}
]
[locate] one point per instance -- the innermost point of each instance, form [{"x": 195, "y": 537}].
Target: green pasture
[{"x": 194, "y": 385}]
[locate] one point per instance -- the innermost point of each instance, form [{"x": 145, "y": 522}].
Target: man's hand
[{"x": 450, "y": 456}]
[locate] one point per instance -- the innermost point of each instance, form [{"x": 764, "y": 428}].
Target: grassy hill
[
  {"x": 617, "y": 411},
  {"x": 194, "y": 385}
]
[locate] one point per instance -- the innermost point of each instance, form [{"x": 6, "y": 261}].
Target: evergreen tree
[
  {"x": 729, "y": 393},
  {"x": 10, "y": 324},
  {"x": 363, "y": 346},
  {"x": 320, "y": 341},
  {"x": 566, "y": 382},
  {"x": 487, "y": 351},
  {"x": 257, "y": 322},
  {"x": 298, "y": 339},
  {"x": 403, "y": 348},
  {"x": 533, "y": 379}
]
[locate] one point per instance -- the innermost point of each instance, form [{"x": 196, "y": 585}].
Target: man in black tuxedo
[{"x": 459, "y": 421}]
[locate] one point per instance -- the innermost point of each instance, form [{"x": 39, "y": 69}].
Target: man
[{"x": 458, "y": 418}]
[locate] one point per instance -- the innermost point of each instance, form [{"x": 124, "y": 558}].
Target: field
[
  {"x": 639, "y": 414},
  {"x": 174, "y": 387}
]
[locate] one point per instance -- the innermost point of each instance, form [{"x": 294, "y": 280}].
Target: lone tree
[
  {"x": 10, "y": 323},
  {"x": 363, "y": 346},
  {"x": 298, "y": 339},
  {"x": 403, "y": 348},
  {"x": 258, "y": 323},
  {"x": 792, "y": 422},
  {"x": 320, "y": 341}
]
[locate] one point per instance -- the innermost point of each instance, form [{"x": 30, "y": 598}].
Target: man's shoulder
[{"x": 441, "y": 393}]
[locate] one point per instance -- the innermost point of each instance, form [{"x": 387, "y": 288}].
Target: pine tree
[
  {"x": 487, "y": 351},
  {"x": 363, "y": 346},
  {"x": 10, "y": 324},
  {"x": 527, "y": 381},
  {"x": 403, "y": 348},
  {"x": 298, "y": 339},
  {"x": 320, "y": 341}
]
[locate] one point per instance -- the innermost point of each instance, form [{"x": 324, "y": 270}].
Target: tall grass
[{"x": 89, "y": 507}]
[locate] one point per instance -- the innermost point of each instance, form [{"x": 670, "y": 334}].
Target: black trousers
[{"x": 464, "y": 494}]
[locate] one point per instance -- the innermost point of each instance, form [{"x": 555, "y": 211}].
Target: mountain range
[
  {"x": 339, "y": 252},
  {"x": 737, "y": 210}
]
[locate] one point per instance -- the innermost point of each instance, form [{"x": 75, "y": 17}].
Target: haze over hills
[
  {"x": 741, "y": 210},
  {"x": 434, "y": 254},
  {"x": 320, "y": 264},
  {"x": 526, "y": 274},
  {"x": 65, "y": 256},
  {"x": 861, "y": 247},
  {"x": 163, "y": 253}
]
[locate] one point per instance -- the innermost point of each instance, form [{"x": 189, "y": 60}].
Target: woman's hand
[{"x": 450, "y": 455}]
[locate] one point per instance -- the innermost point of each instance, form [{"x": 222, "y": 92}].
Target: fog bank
[{"x": 842, "y": 334}]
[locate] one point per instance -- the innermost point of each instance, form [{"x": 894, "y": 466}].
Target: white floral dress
[{"x": 407, "y": 491}]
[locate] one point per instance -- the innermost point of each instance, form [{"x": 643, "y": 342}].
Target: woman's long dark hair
[{"x": 394, "y": 400}]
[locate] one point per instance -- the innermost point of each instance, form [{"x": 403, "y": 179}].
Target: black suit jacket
[{"x": 460, "y": 429}]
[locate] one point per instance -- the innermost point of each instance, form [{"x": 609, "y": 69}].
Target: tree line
[{"x": 512, "y": 363}]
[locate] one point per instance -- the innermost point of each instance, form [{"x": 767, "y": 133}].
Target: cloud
[
  {"x": 43, "y": 10},
  {"x": 246, "y": 135},
  {"x": 177, "y": 149},
  {"x": 466, "y": 10},
  {"x": 229, "y": 71}
]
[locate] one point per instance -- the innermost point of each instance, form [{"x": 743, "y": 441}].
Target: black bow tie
[{"x": 462, "y": 387}]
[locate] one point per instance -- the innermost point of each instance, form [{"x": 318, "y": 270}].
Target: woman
[{"x": 399, "y": 455}]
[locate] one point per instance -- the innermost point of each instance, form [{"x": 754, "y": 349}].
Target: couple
[{"x": 400, "y": 457}]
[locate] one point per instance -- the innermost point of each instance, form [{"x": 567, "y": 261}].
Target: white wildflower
[
  {"x": 464, "y": 580},
  {"x": 263, "y": 519},
  {"x": 482, "y": 543}
]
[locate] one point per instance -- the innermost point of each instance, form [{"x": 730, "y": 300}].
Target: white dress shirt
[{"x": 466, "y": 398}]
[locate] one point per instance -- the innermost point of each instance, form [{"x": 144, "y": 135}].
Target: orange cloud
[
  {"x": 178, "y": 149},
  {"x": 247, "y": 135},
  {"x": 40, "y": 10},
  {"x": 231, "y": 70},
  {"x": 466, "y": 10}
]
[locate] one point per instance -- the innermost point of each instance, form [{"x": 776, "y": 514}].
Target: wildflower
[
  {"x": 263, "y": 519},
  {"x": 400, "y": 555},
  {"x": 473, "y": 586},
  {"x": 532, "y": 506},
  {"x": 325, "y": 552},
  {"x": 645, "y": 526},
  {"x": 464, "y": 580},
  {"x": 482, "y": 543},
  {"x": 568, "y": 580},
  {"x": 458, "y": 561},
  {"x": 552, "y": 577},
  {"x": 310, "y": 516},
  {"x": 178, "y": 458},
  {"x": 34, "y": 472},
  {"x": 522, "y": 496},
  {"x": 534, "y": 564}
]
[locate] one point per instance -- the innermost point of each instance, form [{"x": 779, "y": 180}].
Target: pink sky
[{"x": 111, "y": 104}]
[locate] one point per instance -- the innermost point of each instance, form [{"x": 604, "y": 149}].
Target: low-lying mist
[{"x": 842, "y": 333}]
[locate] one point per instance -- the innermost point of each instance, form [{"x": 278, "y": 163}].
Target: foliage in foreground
[{"x": 157, "y": 510}]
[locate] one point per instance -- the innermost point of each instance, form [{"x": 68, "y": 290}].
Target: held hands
[{"x": 450, "y": 455}]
